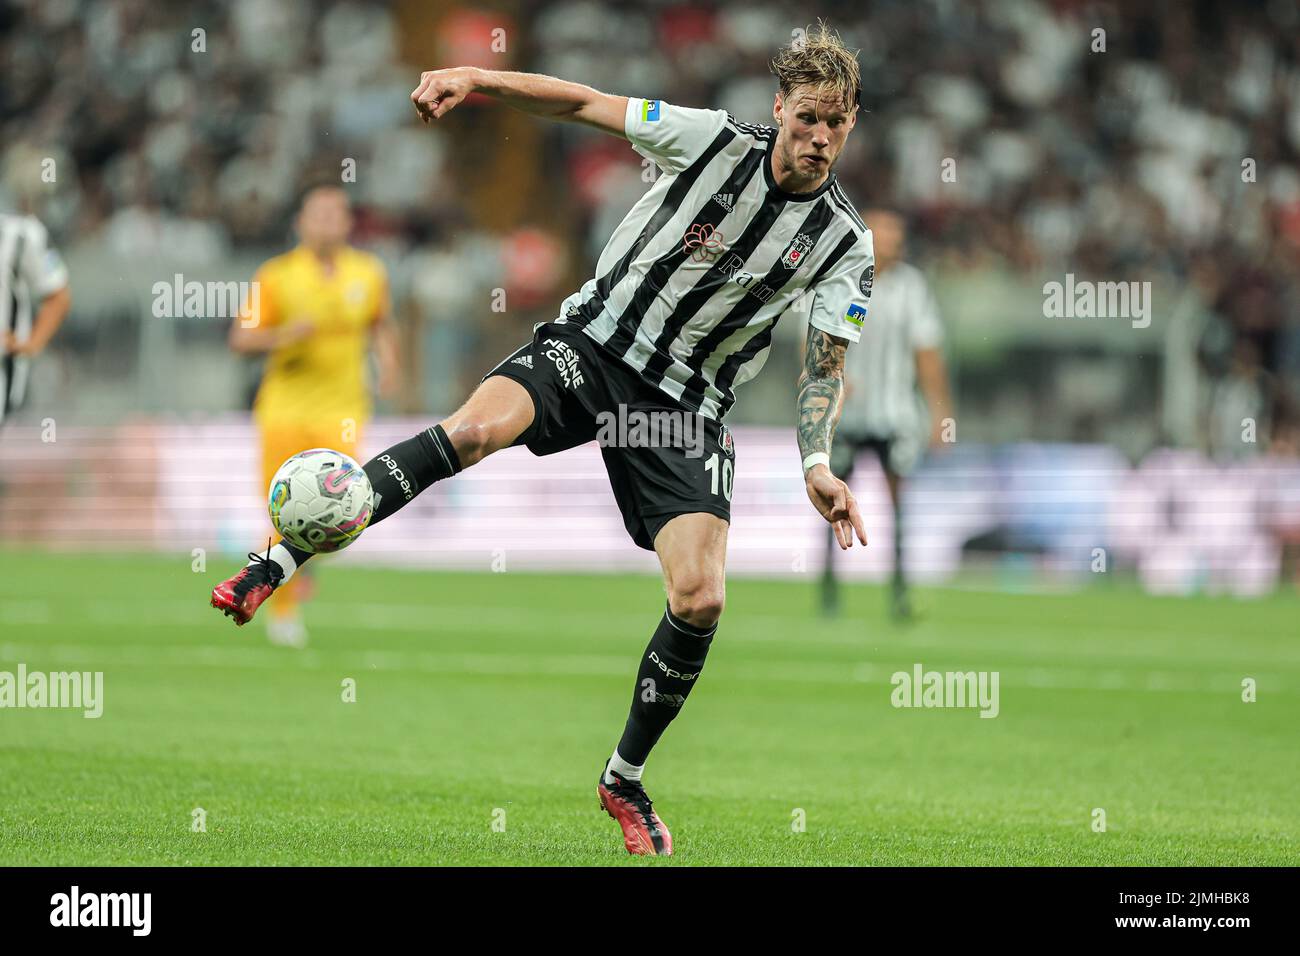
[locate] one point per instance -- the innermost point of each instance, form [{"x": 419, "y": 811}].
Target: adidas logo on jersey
[
  {"x": 725, "y": 200},
  {"x": 525, "y": 360}
]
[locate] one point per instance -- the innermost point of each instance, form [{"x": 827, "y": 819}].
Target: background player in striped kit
[
  {"x": 34, "y": 301},
  {"x": 900, "y": 349}
]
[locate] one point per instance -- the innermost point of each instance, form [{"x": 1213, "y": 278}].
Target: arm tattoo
[{"x": 820, "y": 385}]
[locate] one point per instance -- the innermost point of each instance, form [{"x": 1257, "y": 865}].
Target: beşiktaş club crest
[
  {"x": 724, "y": 439},
  {"x": 795, "y": 253}
]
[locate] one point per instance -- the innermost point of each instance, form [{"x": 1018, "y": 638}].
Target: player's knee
[
  {"x": 472, "y": 441},
  {"x": 698, "y": 602}
]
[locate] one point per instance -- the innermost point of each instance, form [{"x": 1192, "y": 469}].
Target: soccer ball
[{"x": 320, "y": 500}]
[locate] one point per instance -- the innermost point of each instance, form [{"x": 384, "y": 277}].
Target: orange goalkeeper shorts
[{"x": 280, "y": 442}]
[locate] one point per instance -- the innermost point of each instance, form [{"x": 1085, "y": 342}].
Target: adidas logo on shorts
[{"x": 525, "y": 360}]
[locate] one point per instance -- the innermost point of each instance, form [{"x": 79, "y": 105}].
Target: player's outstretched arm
[
  {"x": 440, "y": 91},
  {"x": 54, "y": 309},
  {"x": 821, "y": 385},
  {"x": 932, "y": 375}
]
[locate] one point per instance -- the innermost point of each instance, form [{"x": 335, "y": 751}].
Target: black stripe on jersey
[
  {"x": 10, "y": 323},
  {"x": 732, "y": 366},
  {"x": 716, "y": 278},
  {"x": 11, "y": 359},
  {"x": 10, "y": 366},
  {"x": 678, "y": 191},
  {"x": 662, "y": 269},
  {"x": 813, "y": 225},
  {"x": 843, "y": 202},
  {"x": 753, "y": 129}
]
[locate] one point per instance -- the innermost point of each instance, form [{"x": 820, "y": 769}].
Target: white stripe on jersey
[
  {"x": 29, "y": 271},
  {"x": 691, "y": 282},
  {"x": 670, "y": 236},
  {"x": 743, "y": 207},
  {"x": 880, "y": 370}
]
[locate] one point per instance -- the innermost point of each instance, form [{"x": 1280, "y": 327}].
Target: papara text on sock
[
  {"x": 72, "y": 690},
  {"x": 103, "y": 909}
]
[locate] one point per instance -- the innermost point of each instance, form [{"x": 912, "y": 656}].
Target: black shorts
[
  {"x": 898, "y": 454},
  {"x": 663, "y": 460}
]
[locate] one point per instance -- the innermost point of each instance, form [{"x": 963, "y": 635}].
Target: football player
[
  {"x": 314, "y": 312},
  {"x": 743, "y": 221}
]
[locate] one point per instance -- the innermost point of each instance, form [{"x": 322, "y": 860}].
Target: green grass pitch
[{"x": 489, "y": 699}]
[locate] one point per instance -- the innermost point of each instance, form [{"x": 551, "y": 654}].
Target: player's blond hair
[{"x": 817, "y": 57}]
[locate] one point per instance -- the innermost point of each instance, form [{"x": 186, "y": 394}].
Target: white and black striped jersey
[
  {"x": 688, "y": 288},
  {"x": 29, "y": 271},
  {"x": 881, "y": 398}
]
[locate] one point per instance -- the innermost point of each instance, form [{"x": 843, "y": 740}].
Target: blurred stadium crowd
[{"x": 1164, "y": 149}]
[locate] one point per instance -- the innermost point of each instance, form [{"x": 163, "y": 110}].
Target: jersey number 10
[{"x": 711, "y": 466}]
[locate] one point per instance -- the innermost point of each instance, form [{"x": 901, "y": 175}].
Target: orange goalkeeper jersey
[{"x": 323, "y": 377}]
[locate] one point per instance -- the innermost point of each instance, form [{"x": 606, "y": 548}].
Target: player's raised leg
[
  {"x": 692, "y": 550},
  {"x": 497, "y": 413}
]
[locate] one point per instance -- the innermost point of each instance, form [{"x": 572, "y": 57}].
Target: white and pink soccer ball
[{"x": 320, "y": 500}]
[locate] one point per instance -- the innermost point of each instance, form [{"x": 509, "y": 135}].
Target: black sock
[
  {"x": 670, "y": 668},
  {"x": 409, "y": 467},
  {"x": 900, "y": 583},
  {"x": 830, "y": 586},
  {"x": 401, "y": 473}
]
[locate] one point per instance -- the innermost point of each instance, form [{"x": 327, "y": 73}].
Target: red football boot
[
  {"x": 644, "y": 834},
  {"x": 242, "y": 595}
]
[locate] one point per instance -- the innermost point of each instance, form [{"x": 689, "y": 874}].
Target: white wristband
[{"x": 816, "y": 458}]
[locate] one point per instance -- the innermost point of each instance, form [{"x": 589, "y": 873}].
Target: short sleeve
[
  {"x": 841, "y": 297},
  {"x": 672, "y": 136},
  {"x": 42, "y": 267}
]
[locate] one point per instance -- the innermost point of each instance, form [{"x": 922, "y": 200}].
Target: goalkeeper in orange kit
[{"x": 315, "y": 312}]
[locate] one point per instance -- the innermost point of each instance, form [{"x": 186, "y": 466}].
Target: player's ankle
[
  {"x": 286, "y": 557},
  {"x": 628, "y": 771}
]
